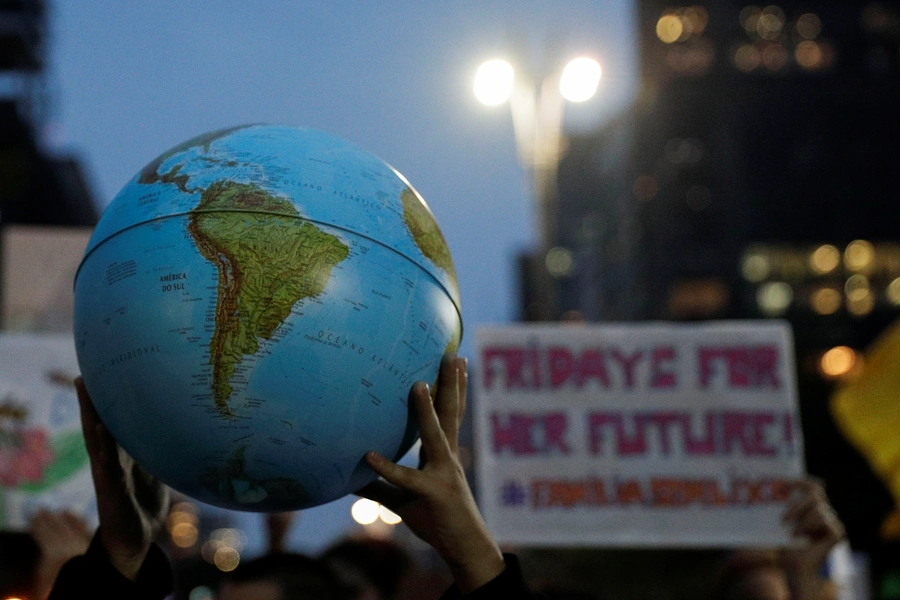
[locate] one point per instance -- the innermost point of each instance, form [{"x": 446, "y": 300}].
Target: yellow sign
[{"x": 867, "y": 409}]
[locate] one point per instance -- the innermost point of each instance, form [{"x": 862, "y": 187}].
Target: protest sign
[
  {"x": 653, "y": 435},
  {"x": 43, "y": 459}
]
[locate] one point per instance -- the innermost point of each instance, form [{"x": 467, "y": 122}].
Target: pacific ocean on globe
[{"x": 252, "y": 310}]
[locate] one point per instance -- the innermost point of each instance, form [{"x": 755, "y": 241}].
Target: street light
[
  {"x": 493, "y": 82},
  {"x": 537, "y": 114},
  {"x": 579, "y": 80}
]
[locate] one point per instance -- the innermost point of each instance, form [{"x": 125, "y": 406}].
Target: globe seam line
[{"x": 278, "y": 214}]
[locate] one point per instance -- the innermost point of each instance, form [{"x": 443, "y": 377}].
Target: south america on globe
[{"x": 252, "y": 310}]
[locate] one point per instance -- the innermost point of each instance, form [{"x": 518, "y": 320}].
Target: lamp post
[{"x": 537, "y": 114}]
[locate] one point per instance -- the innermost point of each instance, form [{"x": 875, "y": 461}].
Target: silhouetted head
[
  {"x": 19, "y": 557},
  {"x": 283, "y": 576},
  {"x": 752, "y": 576},
  {"x": 374, "y": 568}
]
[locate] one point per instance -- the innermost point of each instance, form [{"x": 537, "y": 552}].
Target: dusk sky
[{"x": 129, "y": 80}]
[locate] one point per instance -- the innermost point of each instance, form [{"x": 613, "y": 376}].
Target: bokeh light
[
  {"x": 775, "y": 57},
  {"x": 224, "y": 547},
  {"x": 825, "y": 259},
  {"x": 826, "y": 300},
  {"x": 749, "y": 18},
  {"x": 859, "y": 255},
  {"x": 388, "y": 516},
  {"x": 838, "y": 361},
  {"x": 645, "y": 188},
  {"x": 669, "y": 28},
  {"x": 755, "y": 267},
  {"x": 770, "y": 23},
  {"x": 809, "y": 55},
  {"x": 861, "y": 305},
  {"x": 184, "y": 535},
  {"x": 560, "y": 262},
  {"x": 747, "y": 58},
  {"x": 209, "y": 548},
  {"x": 364, "y": 511},
  {"x": 233, "y": 538},
  {"x": 774, "y": 297},
  {"x": 182, "y": 522},
  {"x": 202, "y": 592},
  {"x": 694, "y": 19},
  {"x": 493, "y": 82},
  {"x": 857, "y": 288},
  {"x": 227, "y": 559},
  {"x": 809, "y": 26},
  {"x": 579, "y": 79},
  {"x": 893, "y": 292}
]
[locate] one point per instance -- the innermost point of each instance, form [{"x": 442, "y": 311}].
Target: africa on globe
[{"x": 252, "y": 310}]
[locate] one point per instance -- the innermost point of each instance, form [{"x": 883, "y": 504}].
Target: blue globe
[{"x": 252, "y": 310}]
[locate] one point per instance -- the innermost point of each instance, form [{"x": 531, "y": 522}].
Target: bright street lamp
[
  {"x": 537, "y": 113},
  {"x": 580, "y": 79},
  {"x": 493, "y": 82}
]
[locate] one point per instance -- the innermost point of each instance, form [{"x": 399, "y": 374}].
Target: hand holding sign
[{"x": 811, "y": 518}]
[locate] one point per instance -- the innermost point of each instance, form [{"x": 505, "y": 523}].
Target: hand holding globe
[{"x": 435, "y": 501}]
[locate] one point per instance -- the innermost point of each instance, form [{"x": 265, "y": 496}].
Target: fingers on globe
[
  {"x": 447, "y": 401},
  {"x": 431, "y": 428},
  {"x": 462, "y": 369},
  {"x": 434, "y": 443}
]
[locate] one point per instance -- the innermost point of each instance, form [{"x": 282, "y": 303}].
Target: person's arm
[
  {"x": 435, "y": 501},
  {"x": 813, "y": 520},
  {"x": 122, "y": 560},
  {"x": 92, "y": 575}
]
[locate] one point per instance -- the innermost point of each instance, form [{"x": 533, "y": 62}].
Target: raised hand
[
  {"x": 810, "y": 516},
  {"x": 132, "y": 504},
  {"x": 435, "y": 501},
  {"x": 60, "y": 535},
  {"x": 816, "y": 525}
]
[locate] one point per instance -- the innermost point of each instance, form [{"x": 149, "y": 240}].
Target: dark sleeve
[
  {"x": 508, "y": 585},
  {"x": 91, "y": 575}
]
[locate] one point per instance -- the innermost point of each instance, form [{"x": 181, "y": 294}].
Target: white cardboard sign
[{"x": 649, "y": 435}]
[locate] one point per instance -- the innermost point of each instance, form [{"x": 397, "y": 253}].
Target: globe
[{"x": 252, "y": 310}]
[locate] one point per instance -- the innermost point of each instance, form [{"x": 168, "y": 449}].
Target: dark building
[
  {"x": 35, "y": 188},
  {"x": 755, "y": 176}
]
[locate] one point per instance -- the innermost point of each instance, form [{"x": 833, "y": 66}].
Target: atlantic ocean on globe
[{"x": 252, "y": 310}]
